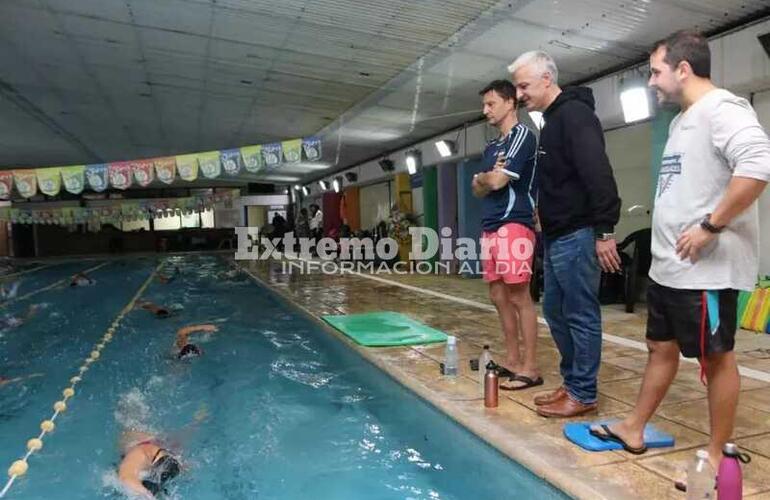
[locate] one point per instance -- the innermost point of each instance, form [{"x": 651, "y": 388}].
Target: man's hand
[
  {"x": 692, "y": 241},
  {"x": 607, "y": 252}
]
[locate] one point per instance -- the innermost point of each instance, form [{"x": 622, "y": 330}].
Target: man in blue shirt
[{"x": 508, "y": 190}]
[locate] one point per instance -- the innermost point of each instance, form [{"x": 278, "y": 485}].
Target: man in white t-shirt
[
  {"x": 705, "y": 241},
  {"x": 316, "y": 221}
]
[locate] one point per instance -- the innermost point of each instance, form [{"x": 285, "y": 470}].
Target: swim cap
[
  {"x": 189, "y": 350},
  {"x": 165, "y": 469}
]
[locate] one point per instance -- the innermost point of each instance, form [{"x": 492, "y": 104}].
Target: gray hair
[{"x": 544, "y": 62}]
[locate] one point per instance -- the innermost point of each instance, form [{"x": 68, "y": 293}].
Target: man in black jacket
[{"x": 578, "y": 209}]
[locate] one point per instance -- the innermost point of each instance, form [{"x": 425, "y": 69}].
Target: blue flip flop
[{"x": 580, "y": 434}]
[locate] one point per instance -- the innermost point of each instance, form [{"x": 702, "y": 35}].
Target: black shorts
[{"x": 675, "y": 314}]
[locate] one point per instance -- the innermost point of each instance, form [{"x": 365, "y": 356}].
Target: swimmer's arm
[
  {"x": 183, "y": 333},
  {"x": 128, "y": 473}
]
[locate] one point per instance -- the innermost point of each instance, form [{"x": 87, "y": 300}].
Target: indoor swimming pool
[{"x": 275, "y": 408}]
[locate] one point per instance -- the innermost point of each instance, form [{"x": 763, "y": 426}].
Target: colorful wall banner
[
  {"x": 165, "y": 169},
  {"x": 231, "y": 161},
  {"x": 292, "y": 150},
  {"x": 187, "y": 166},
  {"x": 73, "y": 178},
  {"x": 120, "y": 174},
  {"x": 96, "y": 175},
  {"x": 312, "y": 147},
  {"x": 209, "y": 164},
  {"x": 49, "y": 180},
  {"x": 115, "y": 212},
  {"x": 271, "y": 153},
  {"x": 252, "y": 158},
  {"x": 6, "y": 184},
  {"x": 26, "y": 182},
  {"x": 144, "y": 172}
]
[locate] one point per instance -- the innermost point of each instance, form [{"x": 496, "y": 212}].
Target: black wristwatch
[{"x": 708, "y": 226}]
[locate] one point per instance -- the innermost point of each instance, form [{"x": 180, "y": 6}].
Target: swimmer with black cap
[
  {"x": 158, "y": 311},
  {"x": 186, "y": 349},
  {"x": 146, "y": 466}
]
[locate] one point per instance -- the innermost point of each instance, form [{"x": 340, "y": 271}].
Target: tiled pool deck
[{"x": 461, "y": 307}]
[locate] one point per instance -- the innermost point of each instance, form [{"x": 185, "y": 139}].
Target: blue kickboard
[{"x": 578, "y": 433}]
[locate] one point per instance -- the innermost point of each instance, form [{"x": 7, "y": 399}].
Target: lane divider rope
[
  {"x": 21, "y": 466},
  {"x": 46, "y": 288}
]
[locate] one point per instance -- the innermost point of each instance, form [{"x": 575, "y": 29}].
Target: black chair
[{"x": 635, "y": 260}]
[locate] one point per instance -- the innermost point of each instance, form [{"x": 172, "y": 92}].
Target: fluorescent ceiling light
[
  {"x": 324, "y": 185},
  {"x": 446, "y": 148},
  {"x": 636, "y": 104},
  {"x": 413, "y": 161},
  {"x": 305, "y": 191},
  {"x": 297, "y": 187},
  {"x": 336, "y": 185}
]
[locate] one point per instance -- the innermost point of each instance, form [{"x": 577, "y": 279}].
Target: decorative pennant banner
[
  {"x": 73, "y": 178},
  {"x": 49, "y": 180},
  {"x": 292, "y": 151},
  {"x": 165, "y": 169},
  {"x": 6, "y": 184},
  {"x": 210, "y": 164},
  {"x": 252, "y": 158},
  {"x": 120, "y": 174},
  {"x": 231, "y": 161},
  {"x": 271, "y": 153},
  {"x": 26, "y": 182},
  {"x": 312, "y": 147},
  {"x": 143, "y": 170},
  {"x": 97, "y": 177},
  {"x": 187, "y": 166}
]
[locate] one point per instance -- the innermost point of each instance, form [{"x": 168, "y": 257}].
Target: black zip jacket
[{"x": 577, "y": 188}]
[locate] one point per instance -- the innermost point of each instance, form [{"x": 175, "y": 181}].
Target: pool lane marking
[
  {"x": 20, "y": 467},
  {"x": 633, "y": 344},
  {"x": 46, "y": 288},
  {"x": 35, "y": 269}
]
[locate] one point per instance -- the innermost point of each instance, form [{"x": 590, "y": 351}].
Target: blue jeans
[{"x": 571, "y": 308}]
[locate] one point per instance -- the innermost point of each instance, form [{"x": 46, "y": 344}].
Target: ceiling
[{"x": 86, "y": 81}]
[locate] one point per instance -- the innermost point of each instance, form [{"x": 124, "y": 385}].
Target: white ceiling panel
[{"x": 95, "y": 80}]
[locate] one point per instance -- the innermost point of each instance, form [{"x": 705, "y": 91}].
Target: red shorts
[{"x": 507, "y": 253}]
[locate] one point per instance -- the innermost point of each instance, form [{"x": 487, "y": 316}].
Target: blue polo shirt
[{"x": 515, "y": 202}]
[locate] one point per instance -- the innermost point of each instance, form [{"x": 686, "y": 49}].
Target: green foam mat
[{"x": 381, "y": 329}]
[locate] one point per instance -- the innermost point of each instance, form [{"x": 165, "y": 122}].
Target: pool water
[{"x": 276, "y": 408}]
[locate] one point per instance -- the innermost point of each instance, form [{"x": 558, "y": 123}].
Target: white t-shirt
[
  {"x": 717, "y": 138},
  {"x": 317, "y": 220}
]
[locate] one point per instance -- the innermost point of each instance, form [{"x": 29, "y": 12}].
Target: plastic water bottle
[
  {"x": 450, "y": 357},
  {"x": 484, "y": 359},
  {"x": 700, "y": 477},
  {"x": 730, "y": 482}
]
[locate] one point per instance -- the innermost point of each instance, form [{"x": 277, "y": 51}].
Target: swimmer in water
[
  {"x": 186, "y": 349},
  {"x": 146, "y": 466},
  {"x": 9, "y": 321},
  {"x": 171, "y": 277},
  {"x": 81, "y": 279},
  {"x": 10, "y": 292},
  {"x": 6, "y": 381},
  {"x": 158, "y": 311}
]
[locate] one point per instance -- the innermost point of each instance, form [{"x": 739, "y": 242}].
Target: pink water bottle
[{"x": 730, "y": 477}]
